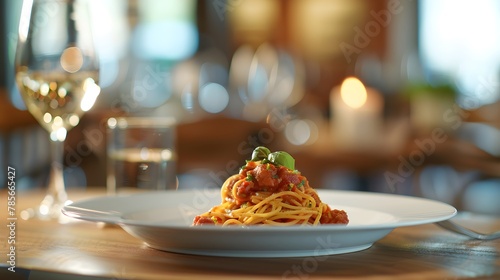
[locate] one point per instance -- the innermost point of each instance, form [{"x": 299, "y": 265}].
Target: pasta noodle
[{"x": 267, "y": 193}]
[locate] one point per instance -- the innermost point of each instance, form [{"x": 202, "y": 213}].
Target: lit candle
[{"x": 356, "y": 115}]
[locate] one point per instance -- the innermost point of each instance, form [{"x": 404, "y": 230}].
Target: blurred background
[{"x": 236, "y": 74}]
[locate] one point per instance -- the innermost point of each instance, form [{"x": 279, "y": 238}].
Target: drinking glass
[
  {"x": 57, "y": 73},
  {"x": 141, "y": 154}
]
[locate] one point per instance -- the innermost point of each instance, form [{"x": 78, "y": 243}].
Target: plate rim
[{"x": 73, "y": 210}]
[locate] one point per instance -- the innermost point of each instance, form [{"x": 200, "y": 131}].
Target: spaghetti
[{"x": 268, "y": 191}]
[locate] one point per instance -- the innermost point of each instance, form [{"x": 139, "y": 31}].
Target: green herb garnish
[
  {"x": 249, "y": 177},
  {"x": 282, "y": 158},
  {"x": 264, "y": 155},
  {"x": 260, "y": 153},
  {"x": 301, "y": 184}
]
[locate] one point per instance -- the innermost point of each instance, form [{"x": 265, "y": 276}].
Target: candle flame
[{"x": 353, "y": 92}]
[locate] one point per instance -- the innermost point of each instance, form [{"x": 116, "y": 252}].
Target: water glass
[{"x": 140, "y": 154}]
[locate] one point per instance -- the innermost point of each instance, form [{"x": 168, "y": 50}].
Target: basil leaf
[
  {"x": 260, "y": 153},
  {"x": 282, "y": 158}
]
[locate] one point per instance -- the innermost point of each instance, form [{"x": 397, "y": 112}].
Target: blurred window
[
  {"x": 167, "y": 30},
  {"x": 460, "y": 43}
]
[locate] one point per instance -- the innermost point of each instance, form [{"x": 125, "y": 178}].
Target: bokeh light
[{"x": 213, "y": 98}]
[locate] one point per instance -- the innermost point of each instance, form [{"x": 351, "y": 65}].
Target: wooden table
[{"x": 85, "y": 250}]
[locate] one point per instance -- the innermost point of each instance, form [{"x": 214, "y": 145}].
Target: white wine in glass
[{"x": 57, "y": 73}]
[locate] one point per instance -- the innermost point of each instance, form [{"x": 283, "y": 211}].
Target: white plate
[{"x": 163, "y": 221}]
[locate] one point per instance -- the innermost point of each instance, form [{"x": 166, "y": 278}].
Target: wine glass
[{"x": 57, "y": 73}]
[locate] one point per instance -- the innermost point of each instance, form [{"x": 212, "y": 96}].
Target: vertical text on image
[{"x": 11, "y": 218}]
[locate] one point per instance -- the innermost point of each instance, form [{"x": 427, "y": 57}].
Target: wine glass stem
[{"x": 56, "y": 191}]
